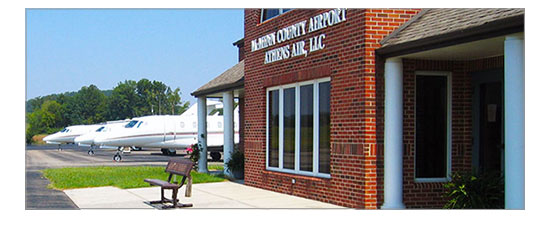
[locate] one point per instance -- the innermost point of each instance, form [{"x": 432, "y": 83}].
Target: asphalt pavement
[{"x": 39, "y": 157}]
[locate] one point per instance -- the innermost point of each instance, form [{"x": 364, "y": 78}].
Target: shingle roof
[
  {"x": 437, "y": 22},
  {"x": 232, "y": 77}
]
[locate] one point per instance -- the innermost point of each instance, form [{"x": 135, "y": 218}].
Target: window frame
[
  {"x": 449, "y": 142},
  {"x": 297, "y": 125},
  {"x": 280, "y": 13}
]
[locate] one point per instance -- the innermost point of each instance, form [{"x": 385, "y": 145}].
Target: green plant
[
  {"x": 468, "y": 191},
  {"x": 236, "y": 163},
  {"x": 124, "y": 177},
  {"x": 195, "y": 152}
]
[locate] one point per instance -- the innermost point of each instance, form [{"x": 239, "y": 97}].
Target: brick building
[{"x": 376, "y": 108}]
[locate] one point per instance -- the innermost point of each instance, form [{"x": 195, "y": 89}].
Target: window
[
  {"x": 270, "y": 13},
  {"x": 273, "y": 128},
  {"x": 432, "y": 127},
  {"x": 100, "y": 129},
  {"x": 298, "y": 128},
  {"x": 131, "y": 124},
  {"x": 139, "y": 124}
]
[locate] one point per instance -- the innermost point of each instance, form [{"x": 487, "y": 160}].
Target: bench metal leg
[{"x": 174, "y": 201}]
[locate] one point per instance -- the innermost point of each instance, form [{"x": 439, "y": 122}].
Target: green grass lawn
[{"x": 122, "y": 177}]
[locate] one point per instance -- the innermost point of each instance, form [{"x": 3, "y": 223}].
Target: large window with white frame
[
  {"x": 432, "y": 126},
  {"x": 298, "y": 128}
]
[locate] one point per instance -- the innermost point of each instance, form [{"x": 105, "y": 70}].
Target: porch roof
[
  {"x": 231, "y": 79},
  {"x": 436, "y": 28}
]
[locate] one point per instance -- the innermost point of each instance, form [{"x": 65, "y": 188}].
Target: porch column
[
  {"x": 514, "y": 122},
  {"x": 228, "y": 132},
  {"x": 202, "y": 133},
  {"x": 393, "y": 134}
]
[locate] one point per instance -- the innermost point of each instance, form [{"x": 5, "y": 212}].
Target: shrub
[
  {"x": 37, "y": 139},
  {"x": 468, "y": 191},
  {"x": 236, "y": 163},
  {"x": 195, "y": 152}
]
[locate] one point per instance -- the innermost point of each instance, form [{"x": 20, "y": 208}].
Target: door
[
  {"x": 488, "y": 120},
  {"x": 169, "y": 129}
]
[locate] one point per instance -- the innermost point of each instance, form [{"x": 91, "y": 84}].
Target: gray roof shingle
[
  {"x": 229, "y": 78},
  {"x": 435, "y": 22}
]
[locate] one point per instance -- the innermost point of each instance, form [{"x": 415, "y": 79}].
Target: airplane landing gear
[
  {"x": 216, "y": 156},
  {"x": 90, "y": 152},
  {"x": 166, "y": 151},
  {"x": 117, "y": 157}
]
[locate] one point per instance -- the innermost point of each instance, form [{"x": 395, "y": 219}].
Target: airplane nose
[{"x": 48, "y": 138}]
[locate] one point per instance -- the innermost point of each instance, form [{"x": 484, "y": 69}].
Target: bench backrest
[{"x": 180, "y": 167}]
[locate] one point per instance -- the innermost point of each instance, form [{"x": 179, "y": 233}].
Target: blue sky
[{"x": 185, "y": 48}]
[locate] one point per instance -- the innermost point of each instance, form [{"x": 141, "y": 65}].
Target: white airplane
[
  {"x": 68, "y": 134},
  {"x": 106, "y": 128},
  {"x": 169, "y": 132}
]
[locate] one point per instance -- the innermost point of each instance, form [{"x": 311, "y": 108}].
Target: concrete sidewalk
[{"x": 207, "y": 195}]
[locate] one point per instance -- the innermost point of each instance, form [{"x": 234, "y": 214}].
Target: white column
[
  {"x": 202, "y": 133},
  {"x": 514, "y": 122},
  {"x": 393, "y": 135},
  {"x": 228, "y": 132}
]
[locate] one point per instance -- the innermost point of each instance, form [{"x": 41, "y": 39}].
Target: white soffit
[{"x": 468, "y": 51}]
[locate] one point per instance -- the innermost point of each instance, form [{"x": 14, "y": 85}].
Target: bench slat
[
  {"x": 161, "y": 183},
  {"x": 180, "y": 167}
]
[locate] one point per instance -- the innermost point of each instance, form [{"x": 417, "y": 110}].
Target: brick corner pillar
[
  {"x": 514, "y": 122},
  {"x": 393, "y": 134}
]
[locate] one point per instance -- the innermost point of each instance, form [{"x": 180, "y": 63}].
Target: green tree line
[{"x": 49, "y": 114}]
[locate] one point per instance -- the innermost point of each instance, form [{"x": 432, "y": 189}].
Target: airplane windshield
[
  {"x": 139, "y": 124},
  {"x": 100, "y": 129},
  {"x": 131, "y": 124},
  {"x": 64, "y": 130}
]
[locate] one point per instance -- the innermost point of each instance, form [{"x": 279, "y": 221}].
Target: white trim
[
  {"x": 304, "y": 173},
  {"x": 281, "y": 128},
  {"x": 297, "y": 129},
  {"x": 316, "y": 128},
  {"x": 448, "y": 74},
  {"x": 296, "y": 86},
  {"x": 267, "y": 129}
]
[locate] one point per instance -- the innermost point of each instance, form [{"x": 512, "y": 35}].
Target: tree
[
  {"x": 159, "y": 96},
  {"x": 51, "y": 118},
  {"x": 121, "y": 103},
  {"x": 145, "y": 98},
  {"x": 173, "y": 99},
  {"x": 88, "y": 106},
  {"x": 46, "y": 120}
]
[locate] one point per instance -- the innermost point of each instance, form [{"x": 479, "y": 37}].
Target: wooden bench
[{"x": 181, "y": 167}]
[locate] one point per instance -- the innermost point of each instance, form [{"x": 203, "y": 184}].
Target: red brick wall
[
  {"x": 430, "y": 194},
  {"x": 348, "y": 58}
]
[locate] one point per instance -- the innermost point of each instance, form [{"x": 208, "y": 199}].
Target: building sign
[{"x": 316, "y": 23}]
